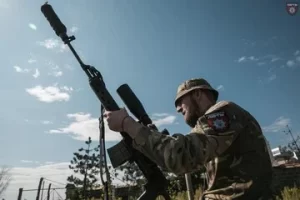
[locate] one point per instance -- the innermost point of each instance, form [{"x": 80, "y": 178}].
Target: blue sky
[{"x": 248, "y": 50}]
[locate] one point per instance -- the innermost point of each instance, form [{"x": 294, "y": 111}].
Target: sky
[{"x": 248, "y": 50}]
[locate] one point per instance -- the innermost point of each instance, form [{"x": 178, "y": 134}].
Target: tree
[
  {"x": 86, "y": 166},
  {"x": 5, "y": 178},
  {"x": 131, "y": 173},
  {"x": 294, "y": 144}
]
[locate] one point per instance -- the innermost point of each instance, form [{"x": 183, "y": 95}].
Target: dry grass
[
  {"x": 286, "y": 194},
  {"x": 289, "y": 194}
]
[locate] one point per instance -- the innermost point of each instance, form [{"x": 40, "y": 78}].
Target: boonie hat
[{"x": 192, "y": 84}]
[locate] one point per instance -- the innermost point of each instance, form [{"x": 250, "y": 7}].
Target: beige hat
[{"x": 193, "y": 84}]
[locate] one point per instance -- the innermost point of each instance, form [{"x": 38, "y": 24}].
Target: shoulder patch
[{"x": 218, "y": 121}]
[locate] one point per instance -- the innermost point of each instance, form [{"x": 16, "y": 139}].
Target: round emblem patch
[{"x": 218, "y": 121}]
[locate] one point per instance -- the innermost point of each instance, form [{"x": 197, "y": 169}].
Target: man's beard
[
  {"x": 192, "y": 119},
  {"x": 194, "y": 114}
]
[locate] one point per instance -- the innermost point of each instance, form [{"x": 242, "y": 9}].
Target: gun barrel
[
  {"x": 133, "y": 104},
  {"x": 59, "y": 28}
]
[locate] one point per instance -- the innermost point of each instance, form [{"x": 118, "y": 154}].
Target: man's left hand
[{"x": 115, "y": 119}]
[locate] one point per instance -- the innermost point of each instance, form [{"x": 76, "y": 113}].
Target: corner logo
[{"x": 292, "y": 8}]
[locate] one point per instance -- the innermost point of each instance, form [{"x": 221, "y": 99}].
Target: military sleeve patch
[{"x": 218, "y": 121}]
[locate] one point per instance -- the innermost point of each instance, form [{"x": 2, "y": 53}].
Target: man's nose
[{"x": 179, "y": 109}]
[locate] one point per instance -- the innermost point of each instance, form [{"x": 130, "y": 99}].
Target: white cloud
[
  {"x": 252, "y": 58},
  {"x": 293, "y": 62},
  {"x": 63, "y": 48},
  {"x": 290, "y": 63},
  {"x": 220, "y": 88},
  {"x": 244, "y": 59},
  {"x": 259, "y": 60},
  {"x": 271, "y": 58},
  {"x": 155, "y": 115},
  {"x": 36, "y": 73},
  {"x": 30, "y": 161},
  {"x": 272, "y": 77},
  {"x": 30, "y": 61},
  {"x": 278, "y": 125},
  {"x": 66, "y": 88},
  {"x": 46, "y": 122},
  {"x": 168, "y": 120},
  {"x": 29, "y": 177},
  {"x": 275, "y": 59},
  {"x": 50, "y": 43},
  {"x": 49, "y": 94},
  {"x": 32, "y": 26},
  {"x": 53, "y": 44},
  {"x": 56, "y": 72},
  {"x": 49, "y": 162},
  {"x": 84, "y": 126},
  {"x": 18, "y": 69},
  {"x": 26, "y": 161},
  {"x": 21, "y": 70},
  {"x": 73, "y": 29},
  {"x": 161, "y": 119}
]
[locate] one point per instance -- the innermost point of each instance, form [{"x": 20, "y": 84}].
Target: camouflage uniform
[{"x": 227, "y": 141}]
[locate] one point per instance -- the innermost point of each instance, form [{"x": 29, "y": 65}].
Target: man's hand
[
  {"x": 152, "y": 127},
  {"x": 115, "y": 119}
]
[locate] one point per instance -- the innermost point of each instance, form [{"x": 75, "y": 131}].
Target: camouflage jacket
[{"x": 227, "y": 141}]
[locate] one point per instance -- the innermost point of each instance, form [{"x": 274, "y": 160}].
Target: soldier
[{"x": 225, "y": 139}]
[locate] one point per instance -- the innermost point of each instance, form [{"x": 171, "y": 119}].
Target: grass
[
  {"x": 286, "y": 194},
  {"x": 289, "y": 194}
]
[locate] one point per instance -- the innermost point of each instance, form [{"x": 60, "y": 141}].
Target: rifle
[
  {"x": 123, "y": 151},
  {"x": 136, "y": 107}
]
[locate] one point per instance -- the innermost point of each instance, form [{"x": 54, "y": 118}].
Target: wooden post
[
  {"x": 39, "y": 189},
  {"x": 189, "y": 187},
  {"x": 48, "y": 193},
  {"x": 42, "y": 190},
  {"x": 20, "y": 193}
]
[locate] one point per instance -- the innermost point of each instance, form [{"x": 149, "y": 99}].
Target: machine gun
[{"x": 156, "y": 182}]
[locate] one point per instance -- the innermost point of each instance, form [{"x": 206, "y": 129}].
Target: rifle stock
[{"x": 156, "y": 182}]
